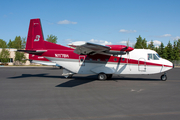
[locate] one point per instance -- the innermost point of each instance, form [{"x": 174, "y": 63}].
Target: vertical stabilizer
[{"x": 35, "y": 38}]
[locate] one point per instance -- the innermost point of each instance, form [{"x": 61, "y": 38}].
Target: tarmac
[{"x": 42, "y": 93}]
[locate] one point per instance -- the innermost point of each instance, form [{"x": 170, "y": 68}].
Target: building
[{"x": 12, "y": 57}]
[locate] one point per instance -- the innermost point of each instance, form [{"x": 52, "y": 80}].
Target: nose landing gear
[{"x": 164, "y": 77}]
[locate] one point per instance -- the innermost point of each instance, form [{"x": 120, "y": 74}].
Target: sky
[{"x": 96, "y": 21}]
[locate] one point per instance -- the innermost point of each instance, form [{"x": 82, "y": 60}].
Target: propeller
[{"x": 127, "y": 43}]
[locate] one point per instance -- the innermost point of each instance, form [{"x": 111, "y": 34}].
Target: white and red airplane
[{"x": 90, "y": 58}]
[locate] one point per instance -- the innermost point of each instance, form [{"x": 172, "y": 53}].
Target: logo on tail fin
[{"x": 37, "y": 38}]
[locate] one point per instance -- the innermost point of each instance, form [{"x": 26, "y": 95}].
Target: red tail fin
[{"x": 35, "y": 38}]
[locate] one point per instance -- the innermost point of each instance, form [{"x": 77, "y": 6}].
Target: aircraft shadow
[
  {"x": 35, "y": 75},
  {"x": 76, "y": 80}
]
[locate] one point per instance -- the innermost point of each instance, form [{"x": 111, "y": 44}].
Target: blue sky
[{"x": 99, "y": 21}]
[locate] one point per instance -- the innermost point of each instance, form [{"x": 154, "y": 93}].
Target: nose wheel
[{"x": 164, "y": 77}]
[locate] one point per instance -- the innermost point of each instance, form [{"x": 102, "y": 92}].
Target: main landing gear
[
  {"x": 103, "y": 76},
  {"x": 164, "y": 77}
]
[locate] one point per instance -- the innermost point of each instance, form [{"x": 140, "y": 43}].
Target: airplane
[{"x": 90, "y": 58}]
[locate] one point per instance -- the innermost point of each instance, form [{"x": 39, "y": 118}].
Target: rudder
[{"x": 35, "y": 38}]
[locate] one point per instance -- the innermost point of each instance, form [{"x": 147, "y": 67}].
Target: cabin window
[
  {"x": 98, "y": 59},
  {"x": 123, "y": 59},
  {"x": 115, "y": 59},
  {"x": 150, "y": 57},
  {"x": 82, "y": 60}
]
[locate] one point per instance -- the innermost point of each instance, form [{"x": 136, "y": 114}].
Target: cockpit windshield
[
  {"x": 158, "y": 55},
  {"x": 155, "y": 57},
  {"x": 152, "y": 56}
]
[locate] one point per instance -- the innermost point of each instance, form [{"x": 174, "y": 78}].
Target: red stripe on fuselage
[{"x": 69, "y": 54}]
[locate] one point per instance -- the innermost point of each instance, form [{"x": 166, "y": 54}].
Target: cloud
[
  {"x": 155, "y": 42},
  {"x": 77, "y": 43},
  {"x": 176, "y": 38},
  {"x": 101, "y": 42},
  {"x": 166, "y": 35},
  {"x": 127, "y": 31},
  {"x": 125, "y": 43},
  {"x": 66, "y": 22}
]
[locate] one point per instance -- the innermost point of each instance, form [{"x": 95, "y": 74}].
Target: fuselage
[{"x": 138, "y": 61}]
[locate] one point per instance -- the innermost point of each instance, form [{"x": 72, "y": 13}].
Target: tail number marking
[
  {"x": 37, "y": 38},
  {"x": 62, "y": 55}
]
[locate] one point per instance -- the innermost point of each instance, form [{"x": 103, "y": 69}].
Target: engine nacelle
[{"x": 120, "y": 48}]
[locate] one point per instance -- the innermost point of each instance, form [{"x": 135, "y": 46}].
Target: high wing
[
  {"x": 86, "y": 48},
  {"x": 90, "y": 48}
]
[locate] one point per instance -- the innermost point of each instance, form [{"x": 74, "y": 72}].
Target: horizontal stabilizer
[{"x": 32, "y": 51}]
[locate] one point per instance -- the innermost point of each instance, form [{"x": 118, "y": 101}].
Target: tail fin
[{"x": 35, "y": 38}]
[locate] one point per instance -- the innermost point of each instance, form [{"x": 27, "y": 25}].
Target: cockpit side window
[
  {"x": 155, "y": 57},
  {"x": 150, "y": 56}
]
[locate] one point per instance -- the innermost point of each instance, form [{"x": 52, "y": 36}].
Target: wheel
[
  {"x": 163, "y": 77},
  {"x": 109, "y": 76},
  {"x": 102, "y": 76}
]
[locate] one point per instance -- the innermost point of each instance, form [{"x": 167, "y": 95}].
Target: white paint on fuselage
[{"x": 119, "y": 68}]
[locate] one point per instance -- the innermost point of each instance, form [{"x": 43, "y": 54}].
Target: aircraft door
[
  {"x": 81, "y": 60},
  {"x": 142, "y": 65}
]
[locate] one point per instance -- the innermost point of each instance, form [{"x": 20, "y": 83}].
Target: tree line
[
  {"x": 170, "y": 52},
  {"x": 18, "y": 43}
]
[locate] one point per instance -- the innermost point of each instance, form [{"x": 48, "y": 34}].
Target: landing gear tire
[
  {"x": 68, "y": 76},
  {"x": 102, "y": 76},
  {"x": 163, "y": 77}
]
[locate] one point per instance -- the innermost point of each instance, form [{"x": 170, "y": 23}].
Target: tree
[
  {"x": 140, "y": 43},
  {"x": 144, "y": 43},
  {"x": 23, "y": 43},
  {"x": 20, "y": 57},
  {"x": 151, "y": 45},
  {"x": 19, "y": 43},
  {"x": 169, "y": 51},
  {"x": 175, "y": 51},
  {"x": 162, "y": 51},
  {"x": 10, "y": 44},
  {"x": 4, "y": 56},
  {"x": 178, "y": 44},
  {"x": 52, "y": 38},
  {"x": 2, "y": 43}
]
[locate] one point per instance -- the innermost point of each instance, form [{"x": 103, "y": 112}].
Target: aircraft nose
[
  {"x": 170, "y": 64},
  {"x": 167, "y": 65}
]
